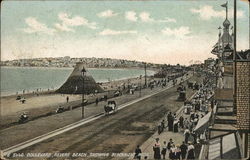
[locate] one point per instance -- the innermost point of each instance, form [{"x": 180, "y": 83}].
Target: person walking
[
  {"x": 181, "y": 120},
  {"x": 96, "y": 101},
  {"x": 186, "y": 134},
  {"x": 156, "y": 149},
  {"x": 159, "y": 129},
  {"x": 172, "y": 154},
  {"x": 163, "y": 124},
  {"x": 177, "y": 152},
  {"x": 170, "y": 143},
  {"x": 67, "y": 99},
  {"x": 171, "y": 123},
  {"x": 191, "y": 154},
  {"x": 169, "y": 118},
  {"x": 164, "y": 150},
  {"x": 137, "y": 153},
  {"x": 183, "y": 148},
  {"x": 186, "y": 123},
  {"x": 194, "y": 136}
]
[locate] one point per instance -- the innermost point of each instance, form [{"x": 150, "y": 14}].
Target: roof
[
  {"x": 240, "y": 55},
  {"x": 224, "y": 94},
  {"x": 226, "y": 23},
  {"x": 74, "y": 84},
  {"x": 202, "y": 123}
]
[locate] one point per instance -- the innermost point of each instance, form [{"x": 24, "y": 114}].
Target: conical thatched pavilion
[{"x": 74, "y": 84}]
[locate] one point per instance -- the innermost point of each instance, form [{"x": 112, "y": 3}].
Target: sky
[{"x": 166, "y": 32}]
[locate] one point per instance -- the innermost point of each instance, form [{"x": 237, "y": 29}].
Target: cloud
[
  {"x": 35, "y": 26},
  {"x": 207, "y": 12},
  {"x": 180, "y": 32},
  {"x": 113, "y": 32},
  {"x": 68, "y": 21},
  {"x": 167, "y": 20},
  {"x": 131, "y": 16},
  {"x": 107, "y": 14},
  {"x": 64, "y": 27},
  {"x": 145, "y": 17}
]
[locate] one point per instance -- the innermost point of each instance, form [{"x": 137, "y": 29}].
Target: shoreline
[
  {"x": 4, "y": 94},
  {"x": 107, "y": 84},
  {"x": 142, "y": 68}
]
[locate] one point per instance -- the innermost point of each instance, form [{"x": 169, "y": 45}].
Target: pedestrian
[
  {"x": 159, "y": 129},
  {"x": 186, "y": 123},
  {"x": 186, "y": 134},
  {"x": 194, "y": 136},
  {"x": 175, "y": 117},
  {"x": 177, "y": 152},
  {"x": 169, "y": 117},
  {"x": 183, "y": 148},
  {"x": 67, "y": 99},
  {"x": 170, "y": 144},
  {"x": 181, "y": 120},
  {"x": 137, "y": 153},
  {"x": 163, "y": 124},
  {"x": 191, "y": 154},
  {"x": 172, "y": 152},
  {"x": 156, "y": 149},
  {"x": 176, "y": 126},
  {"x": 96, "y": 101},
  {"x": 164, "y": 150}
]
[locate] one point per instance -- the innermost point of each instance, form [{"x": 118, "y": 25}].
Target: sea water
[{"x": 17, "y": 79}]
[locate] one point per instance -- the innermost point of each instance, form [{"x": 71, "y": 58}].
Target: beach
[{"x": 45, "y": 103}]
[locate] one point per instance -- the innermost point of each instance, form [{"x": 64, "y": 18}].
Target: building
[{"x": 229, "y": 136}]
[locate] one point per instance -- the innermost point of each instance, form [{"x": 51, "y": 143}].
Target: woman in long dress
[{"x": 157, "y": 149}]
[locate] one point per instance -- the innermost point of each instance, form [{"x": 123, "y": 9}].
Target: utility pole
[
  {"x": 145, "y": 68},
  {"x": 83, "y": 73},
  {"x": 140, "y": 84}
]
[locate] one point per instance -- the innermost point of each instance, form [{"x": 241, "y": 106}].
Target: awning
[{"x": 202, "y": 124}]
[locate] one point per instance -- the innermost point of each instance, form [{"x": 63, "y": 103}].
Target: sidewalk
[{"x": 177, "y": 137}]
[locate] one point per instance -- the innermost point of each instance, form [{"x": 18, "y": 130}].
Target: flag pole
[
  {"x": 226, "y": 11},
  {"x": 234, "y": 55}
]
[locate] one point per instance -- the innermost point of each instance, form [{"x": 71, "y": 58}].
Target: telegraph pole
[{"x": 145, "y": 68}]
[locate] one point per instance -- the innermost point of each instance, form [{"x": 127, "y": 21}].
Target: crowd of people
[
  {"x": 194, "y": 110},
  {"x": 175, "y": 151}
]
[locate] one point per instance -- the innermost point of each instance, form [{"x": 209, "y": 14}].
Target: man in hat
[
  {"x": 186, "y": 134},
  {"x": 170, "y": 144},
  {"x": 170, "y": 121},
  {"x": 164, "y": 150},
  {"x": 137, "y": 153},
  {"x": 183, "y": 148},
  {"x": 191, "y": 154},
  {"x": 181, "y": 120}
]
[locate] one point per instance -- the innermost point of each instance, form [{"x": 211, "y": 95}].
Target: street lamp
[
  {"x": 83, "y": 71},
  {"x": 140, "y": 84},
  {"x": 145, "y": 69}
]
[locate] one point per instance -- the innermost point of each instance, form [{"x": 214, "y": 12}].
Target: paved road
[{"x": 120, "y": 132}]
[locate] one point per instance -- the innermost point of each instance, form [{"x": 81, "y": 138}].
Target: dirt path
[{"x": 120, "y": 132}]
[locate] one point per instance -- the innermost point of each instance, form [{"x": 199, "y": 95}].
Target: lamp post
[
  {"x": 145, "y": 68},
  {"x": 83, "y": 73},
  {"x": 140, "y": 84}
]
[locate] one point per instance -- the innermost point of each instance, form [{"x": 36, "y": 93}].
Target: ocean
[{"x": 17, "y": 79}]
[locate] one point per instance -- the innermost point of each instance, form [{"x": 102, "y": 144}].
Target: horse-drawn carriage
[
  {"x": 190, "y": 85},
  {"x": 182, "y": 96},
  {"x": 196, "y": 86},
  {"x": 23, "y": 118},
  {"x": 110, "y": 107}
]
